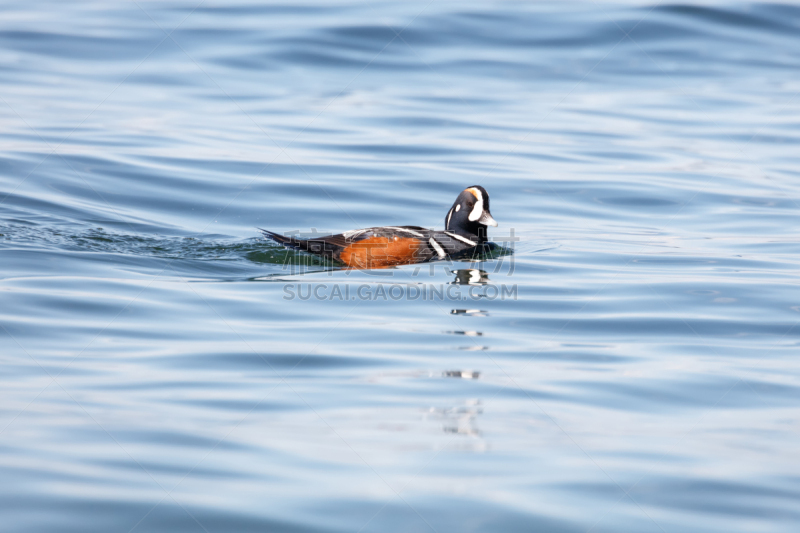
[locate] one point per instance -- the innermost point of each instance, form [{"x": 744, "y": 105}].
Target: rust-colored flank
[{"x": 381, "y": 252}]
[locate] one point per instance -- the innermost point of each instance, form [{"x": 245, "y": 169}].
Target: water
[{"x": 158, "y": 376}]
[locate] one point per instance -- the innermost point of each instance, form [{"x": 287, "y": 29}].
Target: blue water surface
[{"x": 631, "y": 367}]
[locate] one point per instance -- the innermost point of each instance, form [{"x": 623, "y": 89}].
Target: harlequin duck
[{"x": 464, "y": 228}]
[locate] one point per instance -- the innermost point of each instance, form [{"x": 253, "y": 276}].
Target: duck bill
[{"x": 487, "y": 220}]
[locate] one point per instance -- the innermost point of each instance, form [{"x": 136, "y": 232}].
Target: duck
[{"x": 465, "y": 228}]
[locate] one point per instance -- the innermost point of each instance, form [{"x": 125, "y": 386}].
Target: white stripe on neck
[
  {"x": 460, "y": 238},
  {"x": 437, "y": 247}
]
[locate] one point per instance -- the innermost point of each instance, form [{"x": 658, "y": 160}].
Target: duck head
[{"x": 470, "y": 214}]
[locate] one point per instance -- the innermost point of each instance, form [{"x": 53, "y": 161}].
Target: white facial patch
[
  {"x": 477, "y": 211},
  {"x": 458, "y": 208}
]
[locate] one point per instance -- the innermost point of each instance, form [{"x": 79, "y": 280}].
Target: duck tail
[
  {"x": 313, "y": 246},
  {"x": 289, "y": 242}
]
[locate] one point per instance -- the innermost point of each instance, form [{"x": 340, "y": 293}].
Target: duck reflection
[
  {"x": 472, "y": 347},
  {"x": 461, "y": 419},
  {"x": 469, "y": 312},
  {"x": 470, "y": 276},
  {"x": 463, "y": 374}
]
